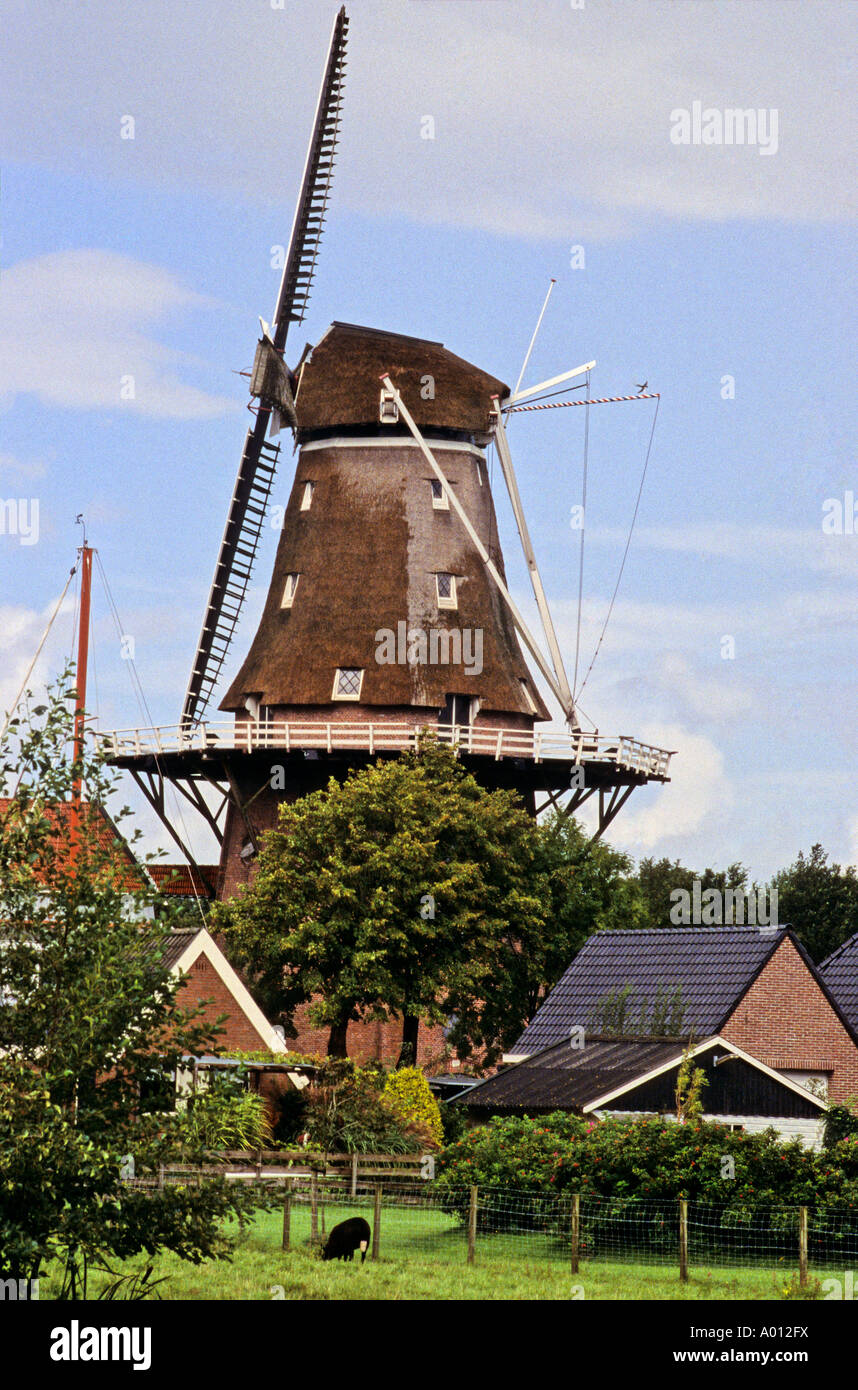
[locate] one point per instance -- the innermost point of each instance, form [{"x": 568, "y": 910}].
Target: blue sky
[{"x": 151, "y": 257}]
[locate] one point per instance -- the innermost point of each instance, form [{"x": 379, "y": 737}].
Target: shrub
[
  {"x": 653, "y": 1162},
  {"x": 346, "y": 1112},
  {"x": 840, "y": 1121},
  {"x": 454, "y": 1121},
  {"x": 226, "y": 1117},
  {"x": 409, "y": 1098}
]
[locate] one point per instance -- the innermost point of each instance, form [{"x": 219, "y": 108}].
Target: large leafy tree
[
  {"x": 658, "y": 878},
  {"x": 407, "y": 890},
  {"x": 89, "y": 1020},
  {"x": 819, "y": 901}
]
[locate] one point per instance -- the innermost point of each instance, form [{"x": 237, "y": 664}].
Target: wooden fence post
[
  {"x": 576, "y": 1230},
  {"x": 683, "y": 1240},
  {"x": 287, "y": 1213},
  {"x": 314, "y": 1208},
  {"x": 354, "y": 1173},
  {"x": 376, "y": 1222},
  {"x": 802, "y": 1247},
  {"x": 472, "y": 1226}
]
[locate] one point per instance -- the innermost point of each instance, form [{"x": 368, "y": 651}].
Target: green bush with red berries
[{"x": 635, "y": 1170}]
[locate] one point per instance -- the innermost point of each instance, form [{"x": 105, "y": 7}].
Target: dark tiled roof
[
  {"x": 713, "y": 966},
  {"x": 566, "y": 1078},
  {"x": 840, "y": 973},
  {"x": 175, "y": 944},
  {"x": 179, "y": 880}
]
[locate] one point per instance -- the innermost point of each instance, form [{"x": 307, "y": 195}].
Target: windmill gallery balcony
[{"x": 125, "y": 747}]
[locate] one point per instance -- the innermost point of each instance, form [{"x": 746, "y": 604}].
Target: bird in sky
[{"x": 642, "y": 388}]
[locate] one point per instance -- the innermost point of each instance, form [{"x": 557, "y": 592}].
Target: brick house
[
  {"x": 840, "y": 973},
  {"x": 756, "y": 987},
  {"x": 207, "y": 975},
  {"x": 192, "y": 953}
]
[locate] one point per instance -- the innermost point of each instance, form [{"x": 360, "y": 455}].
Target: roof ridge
[
  {"x": 689, "y": 927},
  {"x": 838, "y": 951}
]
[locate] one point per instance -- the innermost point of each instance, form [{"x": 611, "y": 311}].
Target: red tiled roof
[
  {"x": 100, "y": 828},
  {"x": 173, "y": 880},
  {"x": 180, "y": 880}
]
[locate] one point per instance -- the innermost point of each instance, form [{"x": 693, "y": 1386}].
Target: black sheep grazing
[{"x": 346, "y": 1238}]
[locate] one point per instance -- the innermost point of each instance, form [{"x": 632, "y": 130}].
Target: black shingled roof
[
  {"x": 566, "y": 1078},
  {"x": 167, "y": 947},
  {"x": 713, "y": 966},
  {"x": 840, "y": 973}
]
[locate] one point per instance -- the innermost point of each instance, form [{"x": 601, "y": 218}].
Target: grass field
[{"x": 423, "y": 1255}]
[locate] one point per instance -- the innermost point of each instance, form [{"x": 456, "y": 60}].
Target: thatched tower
[{"x": 380, "y": 611}]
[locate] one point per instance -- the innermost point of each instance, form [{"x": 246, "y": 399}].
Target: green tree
[
  {"x": 406, "y": 890},
  {"x": 88, "y": 1016},
  {"x": 658, "y": 878},
  {"x": 819, "y": 901}
]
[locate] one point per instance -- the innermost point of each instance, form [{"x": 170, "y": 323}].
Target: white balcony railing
[{"x": 294, "y": 735}]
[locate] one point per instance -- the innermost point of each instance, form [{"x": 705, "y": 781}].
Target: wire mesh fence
[
  {"x": 421, "y": 1221},
  {"x": 412, "y": 1221}
]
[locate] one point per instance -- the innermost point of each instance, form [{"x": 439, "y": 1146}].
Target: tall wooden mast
[{"x": 82, "y": 664}]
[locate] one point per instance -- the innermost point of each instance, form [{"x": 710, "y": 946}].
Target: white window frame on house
[
  {"x": 529, "y": 700},
  {"x": 440, "y": 500},
  {"x": 340, "y": 672},
  {"x": 289, "y": 590},
  {"x": 307, "y": 496},
  {"x": 451, "y": 600}
]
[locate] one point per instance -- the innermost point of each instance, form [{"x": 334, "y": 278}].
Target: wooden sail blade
[
  {"x": 312, "y": 203},
  {"x": 258, "y": 461},
  {"x": 234, "y": 567}
]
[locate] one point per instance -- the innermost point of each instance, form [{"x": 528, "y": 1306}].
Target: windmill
[{"x": 388, "y": 610}]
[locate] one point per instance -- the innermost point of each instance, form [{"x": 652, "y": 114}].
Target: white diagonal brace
[
  {"x": 523, "y": 630},
  {"x": 554, "y": 381},
  {"x": 535, "y": 578}
]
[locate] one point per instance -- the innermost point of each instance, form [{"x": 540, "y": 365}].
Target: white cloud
[
  {"x": 699, "y": 789},
  {"x": 73, "y": 333},
  {"x": 800, "y": 549},
  {"x": 21, "y": 630},
  {"x": 852, "y": 831},
  {"x": 550, "y": 121},
  {"x": 23, "y": 470}
]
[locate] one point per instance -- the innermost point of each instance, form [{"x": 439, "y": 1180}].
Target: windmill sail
[{"x": 259, "y": 458}]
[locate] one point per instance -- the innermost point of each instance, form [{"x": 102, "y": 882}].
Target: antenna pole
[
  {"x": 82, "y": 661},
  {"x": 533, "y": 339}
]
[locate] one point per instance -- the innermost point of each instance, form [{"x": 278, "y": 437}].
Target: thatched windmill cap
[{"x": 338, "y": 384}]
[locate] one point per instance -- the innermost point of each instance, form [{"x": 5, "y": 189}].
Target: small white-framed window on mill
[
  {"x": 347, "y": 683},
  {"x": 289, "y": 590},
  {"x": 307, "y": 497},
  {"x": 528, "y": 698},
  {"x": 439, "y": 497},
  {"x": 445, "y": 588}
]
